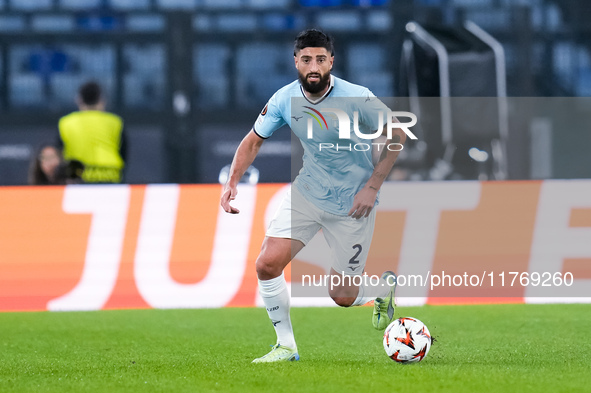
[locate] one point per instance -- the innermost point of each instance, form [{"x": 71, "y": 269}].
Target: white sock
[
  {"x": 276, "y": 298},
  {"x": 381, "y": 290}
]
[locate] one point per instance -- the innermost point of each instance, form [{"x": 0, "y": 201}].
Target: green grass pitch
[{"x": 485, "y": 348}]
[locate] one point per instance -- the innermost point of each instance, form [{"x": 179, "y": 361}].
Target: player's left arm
[{"x": 365, "y": 199}]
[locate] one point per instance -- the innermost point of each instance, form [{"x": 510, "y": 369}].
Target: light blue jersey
[{"x": 335, "y": 168}]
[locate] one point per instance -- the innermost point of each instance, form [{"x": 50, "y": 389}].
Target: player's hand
[
  {"x": 363, "y": 202},
  {"x": 229, "y": 194}
]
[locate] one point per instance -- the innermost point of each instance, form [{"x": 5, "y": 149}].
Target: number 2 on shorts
[{"x": 354, "y": 260}]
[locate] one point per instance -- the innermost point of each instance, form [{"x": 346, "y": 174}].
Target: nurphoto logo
[{"x": 344, "y": 126}]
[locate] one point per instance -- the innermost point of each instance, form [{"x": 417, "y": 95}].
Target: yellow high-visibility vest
[{"x": 94, "y": 138}]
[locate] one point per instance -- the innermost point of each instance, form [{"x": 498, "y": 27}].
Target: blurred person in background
[
  {"x": 44, "y": 166},
  {"x": 94, "y": 137},
  {"x": 48, "y": 168}
]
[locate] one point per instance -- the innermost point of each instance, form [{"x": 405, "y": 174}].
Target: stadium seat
[
  {"x": 144, "y": 79},
  {"x": 26, "y": 90},
  {"x": 225, "y": 4},
  {"x": 472, "y": 3},
  {"x": 210, "y": 73},
  {"x": 277, "y": 69},
  {"x": 144, "y": 59},
  {"x": 30, "y": 5},
  {"x": 64, "y": 88},
  {"x": 143, "y": 92},
  {"x": 129, "y": 4},
  {"x": 79, "y": 4},
  {"x": 267, "y": 4},
  {"x": 237, "y": 22},
  {"x": 176, "y": 4},
  {"x": 367, "y": 67},
  {"x": 340, "y": 20},
  {"x": 145, "y": 22},
  {"x": 53, "y": 23},
  {"x": 95, "y": 59}
]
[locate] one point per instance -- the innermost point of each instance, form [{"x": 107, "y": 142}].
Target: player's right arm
[
  {"x": 245, "y": 155},
  {"x": 270, "y": 119}
]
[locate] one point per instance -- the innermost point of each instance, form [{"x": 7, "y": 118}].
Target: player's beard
[{"x": 316, "y": 87}]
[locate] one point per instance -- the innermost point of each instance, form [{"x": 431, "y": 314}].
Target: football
[{"x": 407, "y": 340}]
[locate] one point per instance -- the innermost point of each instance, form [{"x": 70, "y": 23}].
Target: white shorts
[{"x": 349, "y": 238}]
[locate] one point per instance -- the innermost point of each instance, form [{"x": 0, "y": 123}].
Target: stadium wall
[{"x": 171, "y": 246}]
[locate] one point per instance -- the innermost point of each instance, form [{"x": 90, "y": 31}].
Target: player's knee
[
  {"x": 341, "y": 296},
  {"x": 343, "y": 301},
  {"x": 266, "y": 269}
]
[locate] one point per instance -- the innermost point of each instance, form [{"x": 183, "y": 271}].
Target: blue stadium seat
[
  {"x": 129, "y": 4},
  {"x": 176, "y": 4},
  {"x": 531, "y": 3},
  {"x": 237, "y": 22},
  {"x": 53, "y": 23},
  {"x": 366, "y": 58},
  {"x": 143, "y": 92},
  {"x": 146, "y": 23},
  {"x": 379, "y": 20},
  {"x": 277, "y": 70},
  {"x": 471, "y": 3},
  {"x": 431, "y": 3},
  {"x": 339, "y": 20},
  {"x": 144, "y": 83},
  {"x": 369, "y": 3},
  {"x": 221, "y": 4},
  {"x": 211, "y": 74},
  {"x": 368, "y": 67},
  {"x": 12, "y": 23},
  {"x": 26, "y": 90},
  {"x": 79, "y": 4},
  {"x": 64, "y": 88},
  {"x": 99, "y": 60},
  {"x": 490, "y": 19},
  {"x": 563, "y": 59},
  {"x": 30, "y": 5},
  {"x": 584, "y": 83},
  {"x": 213, "y": 91},
  {"x": 145, "y": 60},
  {"x": 321, "y": 3},
  {"x": 553, "y": 17},
  {"x": 268, "y": 4}
]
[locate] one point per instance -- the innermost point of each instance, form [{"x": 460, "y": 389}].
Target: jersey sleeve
[
  {"x": 370, "y": 111},
  {"x": 270, "y": 119}
]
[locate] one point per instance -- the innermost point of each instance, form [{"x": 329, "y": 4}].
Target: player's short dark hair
[
  {"x": 90, "y": 93},
  {"x": 313, "y": 38}
]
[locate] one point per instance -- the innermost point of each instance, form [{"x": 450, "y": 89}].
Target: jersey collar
[{"x": 319, "y": 99}]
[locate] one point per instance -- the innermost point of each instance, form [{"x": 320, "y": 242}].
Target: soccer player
[{"x": 335, "y": 191}]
